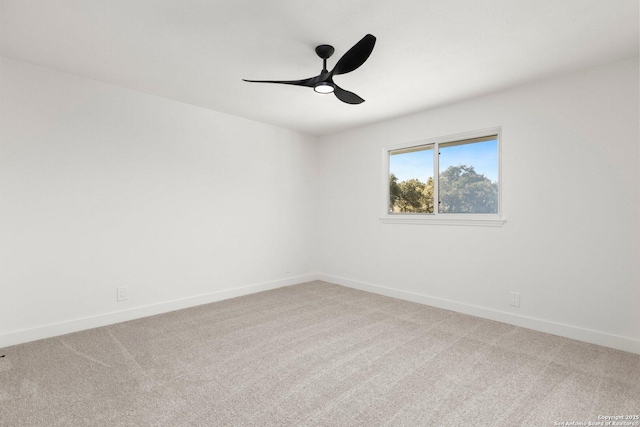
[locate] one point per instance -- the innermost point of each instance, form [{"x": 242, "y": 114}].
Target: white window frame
[{"x": 437, "y": 218}]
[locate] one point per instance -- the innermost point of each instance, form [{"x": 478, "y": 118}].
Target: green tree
[
  {"x": 411, "y": 195},
  {"x": 428, "y": 198},
  {"x": 463, "y": 190},
  {"x": 394, "y": 192}
]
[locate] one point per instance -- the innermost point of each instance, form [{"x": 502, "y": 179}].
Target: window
[{"x": 452, "y": 180}]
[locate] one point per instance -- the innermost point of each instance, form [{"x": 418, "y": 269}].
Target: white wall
[
  {"x": 103, "y": 187},
  {"x": 570, "y": 245}
]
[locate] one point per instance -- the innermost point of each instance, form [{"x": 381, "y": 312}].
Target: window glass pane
[
  {"x": 411, "y": 180},
  {"x": 468, "y": 179}
]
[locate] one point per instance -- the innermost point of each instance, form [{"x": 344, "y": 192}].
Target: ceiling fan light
[{"x": 324, "y": 88}]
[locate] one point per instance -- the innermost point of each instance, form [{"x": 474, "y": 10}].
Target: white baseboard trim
[
  {"x": 75, "y": 325},
  {"x": 567, "y": 331}
]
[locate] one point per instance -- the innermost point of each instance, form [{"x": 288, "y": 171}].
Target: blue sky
[{"x": 483, "y": 156}]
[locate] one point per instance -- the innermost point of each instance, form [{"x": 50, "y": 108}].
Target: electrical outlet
[
  {"x": 515, "y": 299},
  {"x": 122, "y": 293}
]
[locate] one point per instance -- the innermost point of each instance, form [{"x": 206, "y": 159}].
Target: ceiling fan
[{"x": 323, "y": 83}]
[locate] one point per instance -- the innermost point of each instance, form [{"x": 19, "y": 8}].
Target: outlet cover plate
[
  {"x": 122, "y": 293},
  {"x": 515, "y": 299}
]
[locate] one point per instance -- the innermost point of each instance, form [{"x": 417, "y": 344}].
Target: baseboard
[
  {"x": 75, "y": 325},
  {"x": 567, "y": 331}
]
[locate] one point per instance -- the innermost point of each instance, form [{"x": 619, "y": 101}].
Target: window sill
[{"x": 439, "y": 220}]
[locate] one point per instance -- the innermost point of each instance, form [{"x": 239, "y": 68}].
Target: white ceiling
[{"x": 428, "y": 52}]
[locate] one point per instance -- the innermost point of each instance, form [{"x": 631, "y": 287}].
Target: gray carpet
[{"x": 314, "y": 354}]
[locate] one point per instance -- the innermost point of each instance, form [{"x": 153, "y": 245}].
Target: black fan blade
[
  {"x": 355, "y": 56},
  {"x": 346, "y": 96},
  {"x": 311, "y": 82}
]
